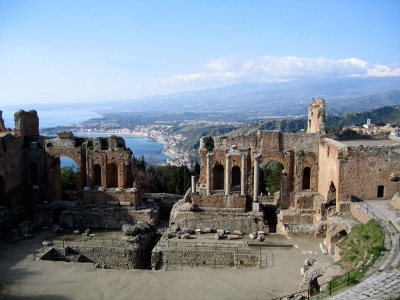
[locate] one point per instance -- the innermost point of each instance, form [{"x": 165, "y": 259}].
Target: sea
[{"x": 148, "y": 147}]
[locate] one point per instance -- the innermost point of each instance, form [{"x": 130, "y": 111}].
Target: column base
[{"x": 256, "y": 207}]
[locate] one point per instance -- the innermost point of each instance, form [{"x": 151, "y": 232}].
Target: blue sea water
[
  {"x": 53, "y": 118},
  {"x": 139, "y": 145}
]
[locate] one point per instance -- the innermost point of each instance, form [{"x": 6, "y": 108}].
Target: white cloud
[{"x": 270, "y": 68}]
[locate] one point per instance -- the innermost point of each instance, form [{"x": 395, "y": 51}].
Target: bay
[{"x": 148, "y": 147}]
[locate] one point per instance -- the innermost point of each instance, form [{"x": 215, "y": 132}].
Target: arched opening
[
  {"x": 381, "y": 191},
  {"x": 236, "y": 178},
  {"x": 2, "y": 191},
  {"x": 33, "y": 174},
  {"x": 97, "y": 174},
  {"x": 128, "y": 176},
  {"x": 112, "y": 175},
  {"x": 218, "y": 177},
  {"x": 56, "y": 215},
  {"x": 330, "y": 206},
  {"x": 62, "y": 173},
  {"x": 270, "y": 177},
  {"x": 306, "y": 178}
]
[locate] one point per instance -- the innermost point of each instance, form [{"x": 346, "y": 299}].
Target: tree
[{"x": 68, "y": 178}]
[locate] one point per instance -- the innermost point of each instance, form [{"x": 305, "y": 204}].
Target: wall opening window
[
  {"x": 218, "y": 177},
  {"x": 381, "y": 191},
  {"x": 306, "y": 178},
  {"x": 112, "y": 175},
  {"x": 97, "y": 174}
]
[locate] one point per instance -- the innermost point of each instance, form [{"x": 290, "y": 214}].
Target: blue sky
[{"x": 84, "y": 51}]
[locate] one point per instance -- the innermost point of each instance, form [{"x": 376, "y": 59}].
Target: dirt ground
[{"x": 23, "y": 278}]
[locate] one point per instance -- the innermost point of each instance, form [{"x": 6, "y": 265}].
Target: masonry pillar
[
  {"x": 193, "y": 184},
  {"x": 209, "y": 157},
  {"x": 243, "y": 176},
  {"x": 256, "y": 205},
  {"x": 228, "y": 174}
]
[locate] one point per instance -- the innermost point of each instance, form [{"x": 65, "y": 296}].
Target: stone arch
[
  {"x": 306, "y": 178},
  {"x": 218, "y": 177},
  {"x": 2, "y": 191},
  {"x": 236, "y": 177},
  {"x": 112, "y": 175},
  {"x": 97, "y": 174},
  {"x": 54, "y": 170}
]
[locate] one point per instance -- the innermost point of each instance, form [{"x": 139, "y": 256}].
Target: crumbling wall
[
  {"x": 26, "y": 123},
  {"x": 102, "y": 216},
  {"x": 219, "y": 200},
  {"x": 128, "y": 197},
  {"x": 110, "y": 257},
  {"x": 164, "y": 258}
]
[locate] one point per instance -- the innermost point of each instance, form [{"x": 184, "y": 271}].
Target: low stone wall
[
  {"x": 164, "y": 258},
  {"x": 96, "y": 196},
  {"x": 245, "y": 222},
  {"x": 359, "y": 214},
  {"x": 219, "y": 200},
  {"x": 91, "y": 216},
  {"x": 111, "y": 258}
]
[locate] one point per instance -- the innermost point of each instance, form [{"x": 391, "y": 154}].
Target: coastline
[{"x": 134, "y": 133}]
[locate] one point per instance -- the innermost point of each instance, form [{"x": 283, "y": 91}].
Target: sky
[{"x": 87, "y": 51}]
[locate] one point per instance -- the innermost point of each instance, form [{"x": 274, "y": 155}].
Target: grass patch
[{"x": 363, "y": 241}]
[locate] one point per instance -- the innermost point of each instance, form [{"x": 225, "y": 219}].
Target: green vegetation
[
  {"x": 68, "y": 179},
  {"x": 363, "y": 241},
  {"x": 270, "y": 176},
  {"x": 162, "y": 179}
]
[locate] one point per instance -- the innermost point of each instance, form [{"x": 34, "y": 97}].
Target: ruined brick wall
[
  {"x": 316, "y": 116},
  {"x": 359, "y": 214},
  {"x": 110, "y": 257},
  {"x": 219, "y": 200},
  {"x": 114, "y": 195},
  {"x": 26, "y": 123},
  {"x": 221, "y": 219},
  {"x": 358, "y": 170},
  {"x": 330, "y": 167},
  {"x": 164, "y": 258},
  {"x": 103, "y": 216}
]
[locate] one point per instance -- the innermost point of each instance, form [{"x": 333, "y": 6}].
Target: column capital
[
  {"x": 228, "y": 155},
  {"x": 257, "y": 156}
]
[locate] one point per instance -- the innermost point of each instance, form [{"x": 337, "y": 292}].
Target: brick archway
[{"x": 54, "y": 170}]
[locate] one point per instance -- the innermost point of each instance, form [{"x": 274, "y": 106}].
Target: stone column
[
  {"x": 209, "y": 157},
  {"x": 256, "y": 205},
  {"x": 193, "y": 184},
  {"x": 243, "y": 176},
  {"x": 227, "y": 174}
]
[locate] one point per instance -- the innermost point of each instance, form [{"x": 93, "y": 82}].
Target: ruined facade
[
  {"x": 320, "y": 176},
  {"x": 30, "y": 170}
]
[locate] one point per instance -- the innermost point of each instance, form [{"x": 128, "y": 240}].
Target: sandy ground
[{"x": 23, "y": 278}]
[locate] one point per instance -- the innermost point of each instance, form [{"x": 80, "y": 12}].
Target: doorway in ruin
[
  {"x": 381, "y": 191},
  {"x": 97, "y": 174},
  {"x": 218, "y": 177},
  {"x": 56, "y": 215},
  {"x": 62, "y": 174},
  {"x": 2, "y": 191},
  {"x": 236, "y": 179},
  {"x": 33, "y": 174},
  {"x": 270, "y": 178},
  {"x": 306, "y": 178},
  {"x": 112, "y": 175}
]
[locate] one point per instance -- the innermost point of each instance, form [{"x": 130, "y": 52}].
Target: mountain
[{"x": 260, "y": 100}]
